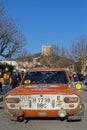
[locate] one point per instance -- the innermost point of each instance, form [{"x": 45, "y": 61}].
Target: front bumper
[{"x": 79, "y": 115}]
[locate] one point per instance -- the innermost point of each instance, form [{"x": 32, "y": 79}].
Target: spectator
[
  {"x": 81, "y": 77},
  {"x": 7, "y": 80},
  {"x": 1, "y": 80},
  {"x": 85, "y": 81},
  {"x": 15, "y": 81},
  {"x": 22, "y": 74},
  {"x": 76, "y": 78},
  {"x": 0, "y": 86},
  {"x": 18, "y": 76}
]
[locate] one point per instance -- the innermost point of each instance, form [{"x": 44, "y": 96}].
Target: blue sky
[{"x": 48, "y": 22}]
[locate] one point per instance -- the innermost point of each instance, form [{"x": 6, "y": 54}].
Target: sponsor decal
[
  {"x": 59, "y": 103},
  {"x": 78, "y": 85},
  {"x": 39, "y": 88},
  {"x": 25, "y": 97}
]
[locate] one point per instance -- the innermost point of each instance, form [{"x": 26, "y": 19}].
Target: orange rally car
[{"x": 44, "y": 92}]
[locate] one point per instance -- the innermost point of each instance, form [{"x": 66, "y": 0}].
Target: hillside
[{"x": 48, "y": 61}]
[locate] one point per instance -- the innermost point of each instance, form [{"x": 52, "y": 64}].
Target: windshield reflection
[{"x": 48, "y": 77}]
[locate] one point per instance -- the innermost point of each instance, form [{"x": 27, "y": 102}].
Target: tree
[
  {"x": 63, "y": 52},
  {"x": 78, "y": 50},
  {"x": 11, "y": 39},
  {"x": 55, "y": 50},
  {"x": 24, "y": 55}
]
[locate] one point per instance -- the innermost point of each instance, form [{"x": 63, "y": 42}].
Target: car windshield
[{"x": 48, "y": 77}]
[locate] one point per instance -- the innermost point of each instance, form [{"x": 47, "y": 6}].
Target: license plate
[{"x": 41, "y": 102}]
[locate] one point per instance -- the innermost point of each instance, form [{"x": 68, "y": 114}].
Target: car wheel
[
  {"x": 73, "y": 120},
  {"x": 18, "y": 119}
]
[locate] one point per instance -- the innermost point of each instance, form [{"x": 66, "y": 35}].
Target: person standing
[
  {"x": 1, "y": 80},
  {"x": 7, "y": 80},
  {"x": 15, "y": 81}
]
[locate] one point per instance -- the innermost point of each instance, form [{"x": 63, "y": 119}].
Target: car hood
[{"x": 43, "y": 88}]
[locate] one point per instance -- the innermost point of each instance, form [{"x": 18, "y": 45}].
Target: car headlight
[
  {"x": 71, "y": 99},
  {"x": 12, "y": 100}
]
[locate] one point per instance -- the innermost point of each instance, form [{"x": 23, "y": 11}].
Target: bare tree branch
[
  {"x": 78, "y": 49},
  {"x": 11, "y": 39}
]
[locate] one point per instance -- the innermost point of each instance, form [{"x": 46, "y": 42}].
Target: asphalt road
[{"x": 44, "y": 124}]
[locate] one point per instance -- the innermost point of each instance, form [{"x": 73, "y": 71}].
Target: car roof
[{"x": 47, "y": 69}]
